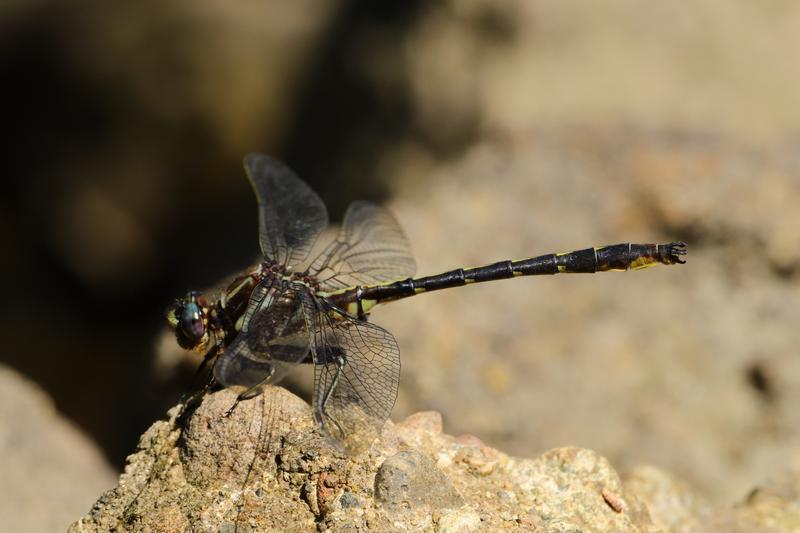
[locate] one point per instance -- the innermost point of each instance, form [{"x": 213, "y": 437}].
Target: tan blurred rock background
[{"x": 494, "y": 130}]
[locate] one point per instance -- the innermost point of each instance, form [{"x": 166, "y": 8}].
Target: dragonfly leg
[
  {"x": 251, "y": 392},
  {"x": 191, "y": 397},
  {"x": 321, "y": 412},
  {"x": 210, "y": 355}
]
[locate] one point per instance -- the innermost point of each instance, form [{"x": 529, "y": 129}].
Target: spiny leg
[
  {"x": 251, "y": 392},
  {"x": 193, "y": 395},
  {"x": 211, "y": 354},
  {"x": 321, "y": 412}
]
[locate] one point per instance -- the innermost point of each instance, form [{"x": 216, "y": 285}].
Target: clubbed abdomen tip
[{"x": 674, "y": 252}]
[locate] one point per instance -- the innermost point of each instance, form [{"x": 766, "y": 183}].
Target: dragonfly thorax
[{"x": 281, "y": 276}]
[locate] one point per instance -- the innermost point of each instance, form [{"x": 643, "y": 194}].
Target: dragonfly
[{"x": 290, "y": 309}]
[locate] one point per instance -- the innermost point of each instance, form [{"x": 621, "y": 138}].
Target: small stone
[
  {"x": 612, "y": 500},
  {"x": 410, "y": 479},
  {"x": 480, "y": 459},
  {"x": 458, "y": 521},
  {"x": 426, "y": 421},
  {"x": 469, "y": 440},
  {"x": 227, "y": 527},
  {"x": 506, "y": 496},
  {"x": 348, "y": 500}
]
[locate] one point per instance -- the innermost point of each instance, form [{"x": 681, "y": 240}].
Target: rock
[
  {"x": 576, "y": 490},
  {"x": 409, "y": 479},
  {"x": 673, "y": 505},
  {"x": 264, "y": 468},
  {"x": 50, "y": 471},
  {"x": 206, "y": 471},
  {"x": 774, "y": 508}
]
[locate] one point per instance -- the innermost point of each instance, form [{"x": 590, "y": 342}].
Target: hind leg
[{"x": 320, "y": 412}]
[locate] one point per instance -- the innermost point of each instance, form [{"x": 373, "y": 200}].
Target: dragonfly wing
[
  {"x": 241, "y": 366},
  {"x": 371, "y": 248},
  {"x": 356, "y": 376},
  {"x": 290, "y": 215},
  {"x": 274, "y": 337}
]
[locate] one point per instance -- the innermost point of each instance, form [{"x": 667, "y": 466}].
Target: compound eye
[{"x": 191, "y": 323}]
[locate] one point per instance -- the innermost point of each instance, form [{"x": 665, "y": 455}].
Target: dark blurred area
[{"x": 125, "y": 128}]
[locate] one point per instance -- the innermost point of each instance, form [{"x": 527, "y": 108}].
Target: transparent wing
[
  {"x": 370, "y": 248},
  {"x": 356, "y": 376},
  {"x": 274, "y": 336},
  {"x": 290, "y": 215}
]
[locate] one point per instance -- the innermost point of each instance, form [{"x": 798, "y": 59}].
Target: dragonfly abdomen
[{"x": 625, "y": 256}]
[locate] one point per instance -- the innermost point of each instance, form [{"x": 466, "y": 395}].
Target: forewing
[
  {"x": 290, "y": 215},
  {"x": 274, "y": 336},
  {"x": 371, "y": 248},
  {"x": 353, "y": 407}
]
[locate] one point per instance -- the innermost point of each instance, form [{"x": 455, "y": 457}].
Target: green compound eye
[{"x": 191, "y": 323}]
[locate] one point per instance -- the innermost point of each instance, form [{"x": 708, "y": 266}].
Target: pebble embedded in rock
[
  {"x": 409, "y": 479},
  {"x": 348, "y": 500},
  {"x": 459, "y": 521}
]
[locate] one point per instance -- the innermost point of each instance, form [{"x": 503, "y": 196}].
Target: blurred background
[{"x": 493, "y": 129}]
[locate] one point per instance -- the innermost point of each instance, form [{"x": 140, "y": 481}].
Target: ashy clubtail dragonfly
[{"x": 288, "y": 309}]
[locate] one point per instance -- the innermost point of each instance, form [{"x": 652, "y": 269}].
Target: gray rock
[
  {"x": 409, "y": 479},
  {"x": 348, "y": 500}
]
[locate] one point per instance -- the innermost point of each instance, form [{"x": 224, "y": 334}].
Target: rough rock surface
[
  {"x": 42, "y": 455},
  {"x": 264, "y": 469}
]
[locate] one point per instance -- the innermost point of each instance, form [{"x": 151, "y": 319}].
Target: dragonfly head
[{"x": 188, "y": 318}]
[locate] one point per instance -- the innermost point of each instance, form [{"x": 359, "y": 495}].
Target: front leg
[
  {"x": 211, "y": 355},
  {"x": 251, "y": 392},
  {"x": 190, "y": 397}
]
